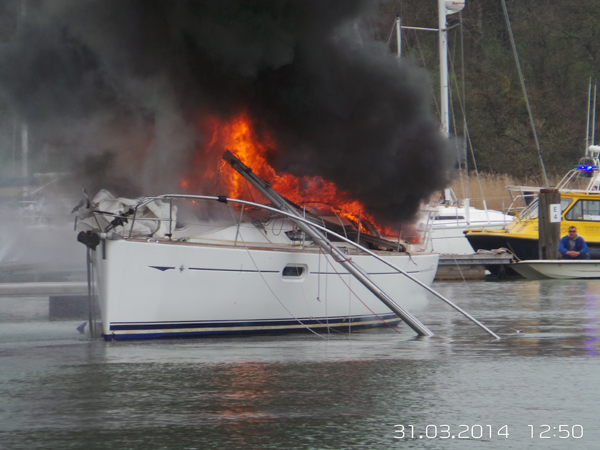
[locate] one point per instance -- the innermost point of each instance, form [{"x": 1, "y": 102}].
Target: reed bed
[{"x": 493, "y": 187}]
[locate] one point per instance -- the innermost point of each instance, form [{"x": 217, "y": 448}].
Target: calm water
[{"x": 58, "y": 391}]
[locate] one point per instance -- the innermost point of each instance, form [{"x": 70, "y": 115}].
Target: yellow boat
[{"x": 580, "y": 205}]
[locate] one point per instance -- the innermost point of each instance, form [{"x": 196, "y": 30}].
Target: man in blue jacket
[{"x": 573, "y": 246}]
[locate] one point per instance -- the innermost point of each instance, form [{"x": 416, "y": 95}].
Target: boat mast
[
  {"x": 25, "y": 159},
  {"x": 594, "y": 114},
  {"x": 398, "y": 36},
  {"x": 442, "y": 30},
  {"x": 587, "y": 131},
  {"x": 443, "y": 34},
  {"x": 24, "y": 131}
]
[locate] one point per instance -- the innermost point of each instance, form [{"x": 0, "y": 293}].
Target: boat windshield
[
  {"x": 584, "y": 210},
  {"x": 532, "y": 210}
]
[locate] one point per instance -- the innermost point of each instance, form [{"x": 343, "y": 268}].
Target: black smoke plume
[{"x": 114, "y": 87}]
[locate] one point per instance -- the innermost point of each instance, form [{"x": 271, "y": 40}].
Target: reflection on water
[{"x": 344, "y": 392}]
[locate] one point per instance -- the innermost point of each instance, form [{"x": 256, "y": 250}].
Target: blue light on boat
[{"x": 586, "y": 168}]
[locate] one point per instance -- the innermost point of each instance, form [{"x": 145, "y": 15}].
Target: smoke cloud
[{"x": 115, "y": 87}]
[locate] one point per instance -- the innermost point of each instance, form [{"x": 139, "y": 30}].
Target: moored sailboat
[{"x": 447, "y": 219}]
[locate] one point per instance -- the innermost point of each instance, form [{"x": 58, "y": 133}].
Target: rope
[{"x": 336, "y": 260}]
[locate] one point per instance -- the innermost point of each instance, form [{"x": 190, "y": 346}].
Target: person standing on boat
[{"x": 573, "y": 246}]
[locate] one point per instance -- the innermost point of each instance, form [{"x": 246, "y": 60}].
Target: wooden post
[{"x": 549, "y": 224}]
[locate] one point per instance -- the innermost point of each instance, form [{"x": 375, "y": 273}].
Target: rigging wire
[
  {"x": 284, "y": 307},
  {"x": 391, "y": 34},
  {"x": 406, "y": 44},
  {"x": 587, "y": 131},
  {"x": 467, "y": 135},
  {"x": 453, "y": 115},
  {"x": 522, "y": 79},
  {"x": 267, "y": 284},
  {"x": 467, "y": 141},
  {"x": 435, "y": 100},
  {"x": 464, "y": 96},
  {"x": 355, "y": 294}
]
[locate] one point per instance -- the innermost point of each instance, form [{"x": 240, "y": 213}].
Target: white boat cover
[{"x": 152, "y": 220}]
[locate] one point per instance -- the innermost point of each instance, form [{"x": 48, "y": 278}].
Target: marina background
[{"x": 351, "y": 391}]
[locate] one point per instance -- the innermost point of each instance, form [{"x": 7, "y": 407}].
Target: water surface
[{"x": 338, "y": 391}]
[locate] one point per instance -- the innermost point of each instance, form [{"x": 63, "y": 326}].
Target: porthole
[{"x": 294, "y": 271}]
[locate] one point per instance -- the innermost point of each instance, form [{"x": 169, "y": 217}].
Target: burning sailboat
[
  {"x": 138, "y": 111},
  {"x": 159, "y": 276}
]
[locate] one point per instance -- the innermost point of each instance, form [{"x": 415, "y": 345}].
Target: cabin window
[
  {"x": 532, "y": 210},
  {"x": 294, "y": 271},
  {"x": 450, "y": 218},
  {"x": 564, "y": 202},
  {"x": 584, "y": 210}
]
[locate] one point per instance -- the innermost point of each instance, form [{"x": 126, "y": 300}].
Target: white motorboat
[
  {"x": 558, "y": 269},
  {"x": 447, "y": 220},
  {"x": 447, "y": 231},
  {"x": 158, "y": 274}
]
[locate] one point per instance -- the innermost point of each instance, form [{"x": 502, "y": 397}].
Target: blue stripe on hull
[{"x": 216, "y": 328}]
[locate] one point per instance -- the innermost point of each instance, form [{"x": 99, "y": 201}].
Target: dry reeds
[{"x": 492, "y": 188}]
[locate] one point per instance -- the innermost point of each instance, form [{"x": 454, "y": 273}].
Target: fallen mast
[{"x": 280, "y": 203}]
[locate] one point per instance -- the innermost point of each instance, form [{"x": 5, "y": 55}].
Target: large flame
[{"x": 237, "y": 136}]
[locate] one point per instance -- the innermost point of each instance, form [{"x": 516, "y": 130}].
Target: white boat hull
[
  {"x": 450, "y": 222},
  {"x": 450, "y": 240},
  {"x": 173, "y": 289},
  {"x": 558, "y": 269}
]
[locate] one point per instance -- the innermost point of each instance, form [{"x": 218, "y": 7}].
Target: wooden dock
[
  {"x": 44, "y": 289},
  {"x": 470, "y": 267}
]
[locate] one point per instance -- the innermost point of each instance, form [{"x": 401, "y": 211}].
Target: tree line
[{"x": 558, "y": 47}]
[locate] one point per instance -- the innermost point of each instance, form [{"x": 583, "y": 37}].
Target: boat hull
[
  {"x": 172, "y": 289},
  {"x": 522, "y": 248},
  {"x": 558, "y": 269},
  {"x": 450, "y": 222}
]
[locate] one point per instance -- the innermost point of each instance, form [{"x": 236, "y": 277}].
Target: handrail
[{"x": 324, "y": 229}]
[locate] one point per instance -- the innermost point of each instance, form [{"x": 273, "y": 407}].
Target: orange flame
[{"x": 238, "y": 136}]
